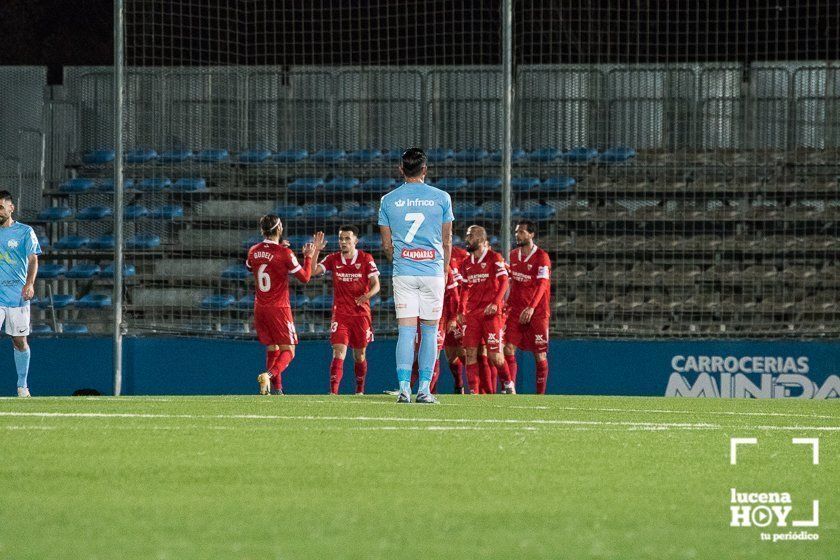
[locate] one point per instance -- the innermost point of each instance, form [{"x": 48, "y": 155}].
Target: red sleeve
[
  {"x": 371, "y": 267},
  {"x": 327, "y": 262},
  {"x": 543, "y": 282},
  {"x": 452, "y": 298},
  {"x": 500, "y": 294},
  {"x": 301, "y": 272},
  {"x": 248, "y": 260}
]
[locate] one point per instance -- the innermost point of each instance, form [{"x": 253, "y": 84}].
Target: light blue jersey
[
  {"x": 416, "y": 212},
  {"x": 17, "y": 242}
]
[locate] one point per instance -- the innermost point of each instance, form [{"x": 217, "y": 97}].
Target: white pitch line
[{"x": 700, "y": 412}]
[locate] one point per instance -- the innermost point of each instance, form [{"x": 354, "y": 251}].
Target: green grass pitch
[{"x": 361, "y": 477}]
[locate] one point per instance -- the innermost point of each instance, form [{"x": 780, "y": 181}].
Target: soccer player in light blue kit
[
  {"x": 415, "y": 221},
  {"x": 19, "y": 250}
]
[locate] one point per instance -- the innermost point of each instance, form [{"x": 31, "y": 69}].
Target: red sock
[
  {"x": 473, "y": 377},
  {"x": 271, "y": 357},
  {"x": 336, "y": 373},
  {"x": 360, "y": 369},
  {"x": 542, "y": 376},
  {"x": 455, "y": 370},
  {"x": 415, "y": 373},
  {"x": 485, "y": 375},
  {"x": 435, "y": 375},
  {"x": 277, "y": 369},
  {"x": 513, "y": 368},
  {"x": 504, "y": 373}
]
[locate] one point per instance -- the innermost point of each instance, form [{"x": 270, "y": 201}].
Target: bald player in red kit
[
  {"x": 528, "y": 309},
  {"x": 486, "y": 276},
  {"x": 271, "y": 264}
]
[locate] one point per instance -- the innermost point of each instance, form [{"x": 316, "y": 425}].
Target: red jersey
[
  {"x": 530, "y": 280},
  {"x": 451, "y": 296},
  {"x": 486, "y": 278},
  {"x": 458, "y": 256},
  {"x": 271, "y": 264},
  {"x": 351, "y": 279}
]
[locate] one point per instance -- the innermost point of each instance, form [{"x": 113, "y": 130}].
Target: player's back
[
  {"x": 271, "y": 264},
  {"x": 416, "y": 212}
]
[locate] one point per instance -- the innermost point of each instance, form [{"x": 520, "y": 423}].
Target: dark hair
[
  {"x": 413, "y": 160},
  {"x": 269, "y": 223},
  {"x": 6, "y": 195},
  {"x": 349, "y": 228},
  {"x": 529, "y": 226}
]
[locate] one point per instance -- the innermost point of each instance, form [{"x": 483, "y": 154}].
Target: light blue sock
[
  {"x": 22, "y": 366},
  {"x": 426, "y": 357},
  {"x": 405, "y": 357}
]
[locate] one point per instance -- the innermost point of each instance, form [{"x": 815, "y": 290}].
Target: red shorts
[
  {"x": 454, "y": 338},
  {"x": 481, "y": 329},
  {"x": 531, "y": 337},
  {"x": 275, "y": 325},
  {"x": 353, "y": 331}
]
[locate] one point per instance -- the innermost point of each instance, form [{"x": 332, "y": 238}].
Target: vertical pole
[
  {"x": 507, "y": 124},
  {"x": 119, "y": 39}
]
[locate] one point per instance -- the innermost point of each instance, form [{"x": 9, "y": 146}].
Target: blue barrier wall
[{"x": 158, "y": 366}]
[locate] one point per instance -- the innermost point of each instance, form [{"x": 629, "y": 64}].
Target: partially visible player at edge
[
  {"x": 272, "y": 263},
  {"x": 453, "y": 332},
  {"x": 19, "y": 250},
  {"x": 528, "y": 303},
  {"x": 486, "y": 276},
  {"x": 415, "y": 222},
  {"x": 355, "y": 280}
]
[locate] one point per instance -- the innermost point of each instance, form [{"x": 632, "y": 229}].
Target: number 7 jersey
[
  {"x": 416, "y": 212},
  {"x": 271, "y": 264}
]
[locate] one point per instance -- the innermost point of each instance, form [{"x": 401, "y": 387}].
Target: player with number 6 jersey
[{"x": 271, "y": 264}]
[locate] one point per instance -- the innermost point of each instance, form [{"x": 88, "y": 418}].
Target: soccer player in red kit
[
  {"x": 453, "y": 332},
  {"x": 272, "y": 263},
  {"x": 355, "y": 280},
  {"x": 528, "y": 303},
  {"x": 486, "y": 276}
]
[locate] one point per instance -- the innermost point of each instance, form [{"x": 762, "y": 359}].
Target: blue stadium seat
[
  {"x": 107, "y": 185},
  {"x": 618, "y": 154},
  {"x": 94, "y": 301},
  {"x": 385, "y": 270},
  {"x": 235, "y": 327},
  {"x": 321, "y": 302},
  {"x": 140, "y": 155},
  {"x": 493, "y": 211},
  {"x": 358, "y": 212},
  {"x": 217, "y": 301},
  {"x": 57, "y": 301},
  {"x": 83, "y": 271},
  {"x": 375, "y": 302},
  {"x": 517, "y": 154},
  {"x": 369, "y": 243},
  {"x": 128, "y": 270},
  {"x": 236, "y": 271},
  {"x": 538, "y": 212},
  {"x": 298, "y": 241},
  {"x": 320, "y": 211},
  {"x": 364, "y": 156},
  {"x": 197, "y": 327},
  {"x": 486, "y": 184},
  {"x": 557, "y": 185},
  {"x": 298, "y": 301},
  {"x": 388, "y": 304},
  {"x": 212, "y": 156},
  {"x": 70, "y": 242},
  {"x": 77, "y": 185},
  {"x": 288, "y": 211},
  {"x": 523, "y": 184},
  {"x": 43, "y": 241},
  {"x": 290, "y": 156},
  {"x": 306, "y": 184},
  {"x": 98, "y": 157},
  {"x": 328, "y": 156},
  {"x": 167, "y": 212},
  {"x": 379, "y": 185},
  {"x": 251, "y": 241},
  {"x": 341, "y": 184},
  {"x": 545, "y": 154},
  {"x": 51, "y": 270},
  {"x": 175, "y": 156},
  {"x": 55, "y": 213},
  {"x": 245, "y": 302},
  {"x": 142, "y": 241},
  {"x": 74, "y": 328},
  {"x": 451, "y": 184},
  {"x": 94, "y": 213},
  {"x": 394, "y": 154},
  {"x": 41, "y": 328},
  {"x": 102, "y": 243},
  {"x": 579, "y": 154},
  {"x": 471, "y": 155},
  {"x": 456, "y": 240},
  {"x": 254, "y": 156},
  {"x": 135, "y": 212},
  {"x": 154, "y": 184},
  {"x": 185, "y": 184},
  {"x": 438, "y": 155}
]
